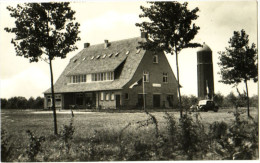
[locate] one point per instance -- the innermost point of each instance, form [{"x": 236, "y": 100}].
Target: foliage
[
  {"x": 170, "y": 29},
  {"x": 188, "y": 101},
  {"x": 66, "y": 135},
  {"x": 239, "y": 62},
  {"x": 22, "y": 103},
  {"x": 238, "y": 141},
  {"x": 43, "y": 28},
  {"x": 190, "y": 137},
  {"x": 6, "y": 146},
  {"x": 218, "y": 99},
  {"x": 46, "y": 29},
  {"x": 35, "y": 146}
]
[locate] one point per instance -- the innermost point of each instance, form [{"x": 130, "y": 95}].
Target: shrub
[
  {"x": 66, "y": 135},
  {"x": 6, "y": 146},
  {"x": 34, "y": 146},
  {"x": 241, "y": 140},
  {"x": 192, "y": 137}
]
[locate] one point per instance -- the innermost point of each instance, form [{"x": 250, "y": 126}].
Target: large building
[{"x": 115, "y": 75}]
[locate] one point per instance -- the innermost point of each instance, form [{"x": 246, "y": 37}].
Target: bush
[
  {"x": 66, "y": 135},
  {"x": 6, "y": 146},
  {"x": 34, "y": 146}
]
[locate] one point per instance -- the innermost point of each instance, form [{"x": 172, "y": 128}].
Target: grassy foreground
[{"x": 97, "y": 136}]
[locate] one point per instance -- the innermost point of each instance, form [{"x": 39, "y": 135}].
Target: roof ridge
[{"x": 115, "y": 41}]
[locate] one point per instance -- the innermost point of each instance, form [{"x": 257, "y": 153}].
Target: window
[
  {"x": 104, "y": 76},
  {"x": 155, "y": 59},
  {"x": 79, "y": 99},
  {"x": 165, "y": 77},
  {"x": 146, "y": 76},
  {"x": 112, "y": 96},
  {"x": 102, "y": 96},
  {"x": 58, "y": 100},
  {"x": 83, "y": 78},
  {"x": 78, "y": 78},
  {"x": 126, "y": 96},
  {"x": 74, "y": 79},
  {"x": 107, "y": 96}
]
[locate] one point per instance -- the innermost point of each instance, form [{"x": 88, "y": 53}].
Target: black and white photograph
[{"x": 134, "y": 80}]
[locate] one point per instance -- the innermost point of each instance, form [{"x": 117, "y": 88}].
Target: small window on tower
[{"x": 155, "y": 59}]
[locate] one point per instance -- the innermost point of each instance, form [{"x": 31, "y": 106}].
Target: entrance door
[
  {"x": 156, "y": 101},
  {"x": 117, "y": 101}
]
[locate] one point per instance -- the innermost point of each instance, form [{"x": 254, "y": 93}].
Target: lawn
[{"x": 107, "y": 126}]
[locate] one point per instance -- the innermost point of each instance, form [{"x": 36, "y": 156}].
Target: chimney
[
  {"x": 107, "y": 44},
  {"x": 144, "y": 35},
  {"x": 86, "y": 45}
]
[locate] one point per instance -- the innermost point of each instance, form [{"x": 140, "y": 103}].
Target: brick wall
[{"x": 156, "y": 71}]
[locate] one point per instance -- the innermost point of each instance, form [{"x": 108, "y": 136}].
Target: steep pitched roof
[{"x": 96, "y": 59}]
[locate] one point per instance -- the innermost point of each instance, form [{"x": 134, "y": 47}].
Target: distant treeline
[
  {"x": 22, "y": 103},
  {"x": 230, "y": 100}
]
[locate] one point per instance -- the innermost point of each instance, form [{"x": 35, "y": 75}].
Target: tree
[
  {"x": 44, "y": 31},
  {"x": 3, "y": 103},
  {"x": 170, "y": 29},
  {"x": 238, "y": 63},
  {"x": 218, "y": 99}
]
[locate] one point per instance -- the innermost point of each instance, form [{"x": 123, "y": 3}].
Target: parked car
[{"x": 206, "y": 105}]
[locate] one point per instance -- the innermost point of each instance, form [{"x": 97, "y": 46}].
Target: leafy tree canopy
[
  {"x": 44, "y": 28},
  {"x": 239, "y": 62},
  {"x": 170, "y": 27}
]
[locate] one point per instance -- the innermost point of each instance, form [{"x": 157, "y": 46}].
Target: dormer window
[
  {"x": 104, "y": 56},
  {"x": 155, "y": 59},
  {"x": 138, "y": 51},
  {"x": 127, "y": 53},
  {"x": 110, "y": 55},
  {"x": 92, "y": 57},
  {"x": 75, "y": 60},
  {"x": 98, "y": 57},
  {"x": 116, "y": 54}
]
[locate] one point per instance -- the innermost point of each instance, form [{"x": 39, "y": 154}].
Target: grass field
[{"x": 106, "y": 125}]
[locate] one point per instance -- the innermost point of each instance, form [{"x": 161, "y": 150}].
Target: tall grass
[{"x": 148, "y": 138}]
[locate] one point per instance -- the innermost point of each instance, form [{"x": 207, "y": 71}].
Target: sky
[{"x": 115, "y": 20}]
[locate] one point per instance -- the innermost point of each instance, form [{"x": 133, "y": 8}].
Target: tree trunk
[
  {"x": 178, "y": 80},
  {"x": 53, "y": 101},
  {"x": 247, "y": 98}
]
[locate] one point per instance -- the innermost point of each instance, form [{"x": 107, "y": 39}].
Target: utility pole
[{"x": 143, "y": 92}]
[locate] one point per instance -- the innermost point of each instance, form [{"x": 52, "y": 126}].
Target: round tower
[{"x": 205, "y": 73}]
